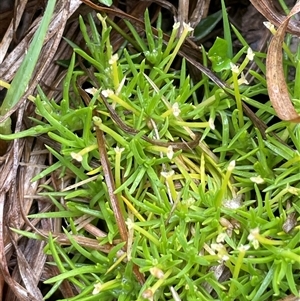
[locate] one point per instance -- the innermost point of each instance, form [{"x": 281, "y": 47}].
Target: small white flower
[
  {"x": 107, "y": 92},
  {"x": 187, "y": 27},
  {"x": 175, "y": 109},
  {"x": 176, "y": 25},
  {"x": 91, "y": 91},
  {"x": 224, "y": 257},
  {"x": 119, "y": 150},
  {"x": 221, "y": 237},
  {"x": 211, "y": 123},
  {"x": 222, "y": 252},
  {"x": 234, "y": 68},
  {"x": 157, "y": 273},
  {"x": 250, "y": 54},
  {"x": 76, "y": 156},
  {"x": 231, "y": 165},
  {"x": 269, "y": 25},
  {"x": 148, "y": 294},
  {"x": 242, "y": 80},
  {"x": 253, "y": 234},
  {"x": 252, "y": 237},
  {"x": 97, "y": 288},
  {"x": 167, "y": 174},
  {"x": 243, "y": 248},
  {"x": 113, "y": 59},
  {"x": 217, "y": 247},
  {"x": 257, "y": 180},
  {"x": 170, "y": 152}
]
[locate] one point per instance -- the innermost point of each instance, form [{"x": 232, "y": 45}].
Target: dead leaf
[
  {"x": 269, "y": 11},
  {"x": 277, "y": 87}
]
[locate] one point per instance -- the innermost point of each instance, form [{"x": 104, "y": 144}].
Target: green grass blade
[{"x": 24, "y": 73}]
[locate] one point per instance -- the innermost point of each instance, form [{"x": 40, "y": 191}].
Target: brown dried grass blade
[
  {"x": 277, "y": 87},
  {"x": 113, "y": 198},
  {"x": 269, "y": 11}
]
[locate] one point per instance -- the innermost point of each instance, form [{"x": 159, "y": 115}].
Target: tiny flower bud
[
  {"x": 107, "y": 93},
  {"x": 187, "y": 27},
  {"x": 234, "y": 68},
  {"x": 170, "y": 152},
  {"x": 176, "y": 25},
  {"x": 231, "y": 165},
  {"x": 113, "y": 59},
  {"x": 176, "y": 110},
  {"x": 270, "y": 26},
  {"x": 91, "y": 91},
  {"x": 148, "y": 294},
  {"x": 167, "y": 174},
  {"x": 76, "y": 156},
  {"x": 257, "y": 180},
  {"x": 250, "y": 54},
  {"x": 243, "y": 248},
  {"x": 119, "y": 150},
  {"x": 97, "y": 288},
  {"x": 157, "y": 273}
]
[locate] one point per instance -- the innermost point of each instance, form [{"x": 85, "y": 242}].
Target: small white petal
[
  {"x": 91, "y": 91},
  {"x": 113, "y": 59},
  {"x": 221, "y": 237},
  {"x": 257, "y": 180},
  {"x": 76, "y": 156},
  {"x": 157, "y": 273},
  {"x": 187, "y": 27},
  {"x": 167, "y": 174},
  {"x": 176, "y": 25},
  {"x": 119, "y": 150},
  {"x": 175, "y": 109},
  {"x": 269, "y": 25},
  {"x": 231, "y": 165},
  {"x": 250, "y": 54},
  {"x": 211, "y": 123},
  {"x": 170, "y": 152},
  {"x": 217, "y": 247},
  {"x": 234, "y": 68},
  {"x": 148, "y": 294},
  {"x": 243, "y": 248},
  {"x": 242, "y": 80},
  {"x": 97, "y": 288},
  {"x": 253, "y": 233},
  {"x": 107, "y": 92}
]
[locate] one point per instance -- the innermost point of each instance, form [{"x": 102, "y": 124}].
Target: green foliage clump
[{"x": 204, "y": 222}]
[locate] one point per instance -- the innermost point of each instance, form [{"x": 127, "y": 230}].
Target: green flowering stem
[
  {"x": 186, "y": 30},
  {"x": 267, "y": 241},
  {"x": 98, "y": 122},
  {"x": 238, "y": 264},
  {"x": 222, "y": 192},
  {"x": 109, "y": 285},
  {"x": 169, "y": 181},
  {"x": 131, "y": 224},
  {"x": 171, "y": 40},
  {"x": 114, "y": 71},
  {"x": 158, "y": 284},
  {"x": 121, "y": 102},
  {"x": 235, "y": 72}
]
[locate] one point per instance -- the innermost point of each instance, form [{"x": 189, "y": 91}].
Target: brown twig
[{"x": 113, "y": 197}]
